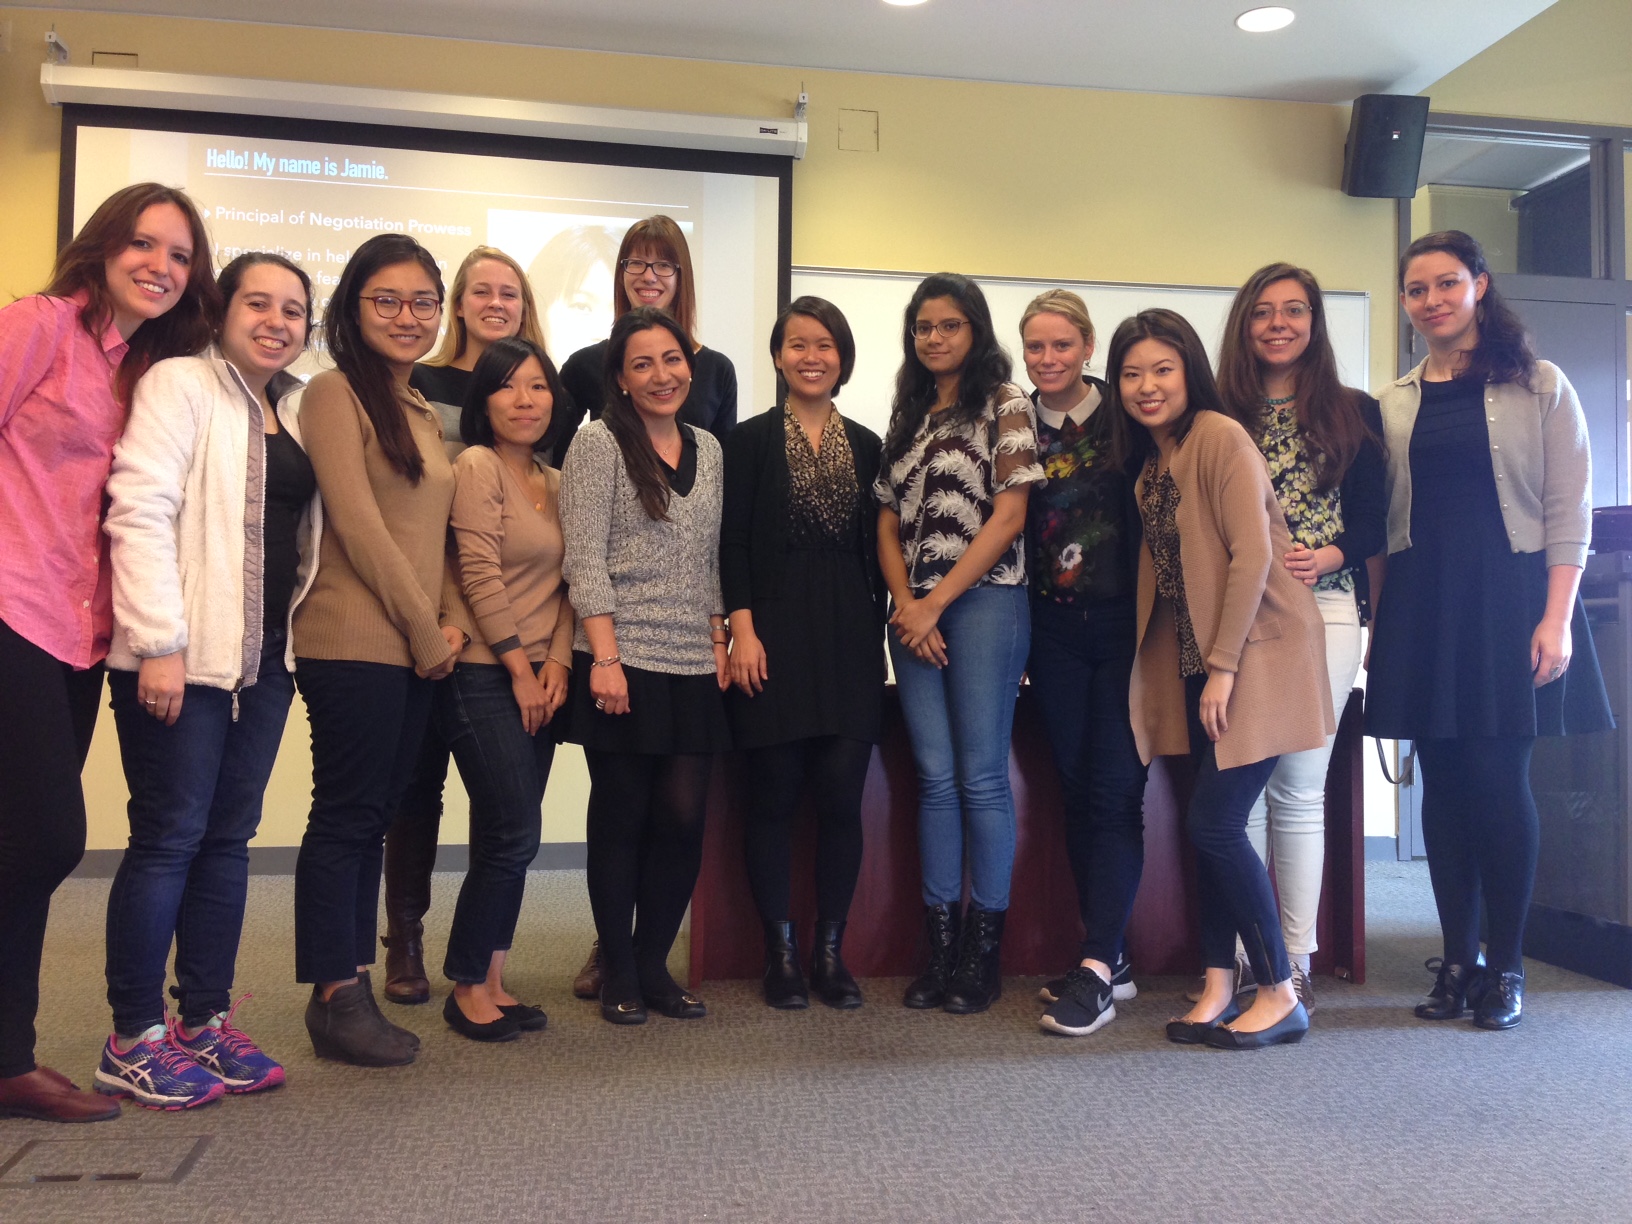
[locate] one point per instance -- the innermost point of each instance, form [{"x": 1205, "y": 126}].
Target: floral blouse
[
  {"x": 944, "y": 485},
  {"x": 1159, "y": 507},
  {"x": 1314, "y": 518},
  {"x": 823, "y": 496},
  {"x": 1080, "y": 526}
]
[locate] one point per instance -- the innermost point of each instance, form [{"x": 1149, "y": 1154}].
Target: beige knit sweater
[{"x": 377, "y": 595}]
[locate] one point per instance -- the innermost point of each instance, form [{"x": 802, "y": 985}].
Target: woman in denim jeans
[
  {"x": 958, "y": 462},
  {"x": 213, "y": 520},
  {"x": 512, "y": 678}
]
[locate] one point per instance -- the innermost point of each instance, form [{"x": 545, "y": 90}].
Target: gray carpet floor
[{"x": 880, "y": 1114}]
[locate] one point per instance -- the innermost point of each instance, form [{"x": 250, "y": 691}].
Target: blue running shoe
[
  {"x": 156, "y": 1074},
  {"x": 224, "y": 1050}
]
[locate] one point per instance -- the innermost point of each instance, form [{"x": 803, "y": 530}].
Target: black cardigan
[
  {"x": 1364, "y": 494},
  {"x": 754, "y": 520}
]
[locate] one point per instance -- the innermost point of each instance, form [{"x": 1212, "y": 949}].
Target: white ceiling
[{"x": 1333, "y": 51}]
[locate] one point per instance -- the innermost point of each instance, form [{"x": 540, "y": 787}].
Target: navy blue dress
[{"x": 1450, "y": 657}]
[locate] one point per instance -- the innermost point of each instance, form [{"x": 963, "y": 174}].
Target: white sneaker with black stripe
[{"x": 1085, "y": 1004}]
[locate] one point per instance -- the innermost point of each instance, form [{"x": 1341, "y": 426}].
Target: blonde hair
[
  {"x": 1063, "y": 303},
  {"x": 456, "y": 339}
]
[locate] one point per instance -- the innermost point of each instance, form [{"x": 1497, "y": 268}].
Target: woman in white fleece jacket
[{"x": 214, "y": 519}]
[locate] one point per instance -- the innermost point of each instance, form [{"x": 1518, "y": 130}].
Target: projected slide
[{"x": 315, "y": 202}]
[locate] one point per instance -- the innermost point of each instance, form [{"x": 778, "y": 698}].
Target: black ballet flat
[
  {"x": 1289, "y": 1030},
  {"x": 676, "y": 1005},
  {"x": 630, "y": 1009},
  {"x": 1194, "y": 1032},
  {"x": 502, "y": 1029}
]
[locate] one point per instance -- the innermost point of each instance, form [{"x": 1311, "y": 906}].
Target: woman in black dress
[
  {"x": 801, "y": 583},
  {"x": 1481, "y": 643}
]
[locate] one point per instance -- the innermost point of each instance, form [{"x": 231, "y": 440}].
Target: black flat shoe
[
  {"x": 502, "y": 1029},
  {"x": 528, "y": 1019},
  {"x": 676, "y": 1005},
  {"x": 1289, "y": 1030},
  {"x": 1194, "y": 1032},
  {"x": 1456, "y": 988},
  {"x": 1501, "y": 1006},
  {"x": 626, "y": 1010}
]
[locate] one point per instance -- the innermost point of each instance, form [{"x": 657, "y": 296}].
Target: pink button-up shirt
[{"x": 59, "y": 419}]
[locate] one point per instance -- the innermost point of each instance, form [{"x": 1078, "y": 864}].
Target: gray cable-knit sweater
[{"x": 659, "y": 580}]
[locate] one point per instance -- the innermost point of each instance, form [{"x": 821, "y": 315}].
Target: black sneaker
[
  {"x": 1085, "y": 1004},
  {"x": 1122, "y": 987}
]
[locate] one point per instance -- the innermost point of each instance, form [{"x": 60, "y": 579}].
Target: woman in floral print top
[
  {"x": 1322, "y": 443},
  {"x": 1083, "y": 532},
  {"x": 959, "y": 461}
]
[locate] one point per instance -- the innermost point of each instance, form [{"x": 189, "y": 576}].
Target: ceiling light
[
  {"x": 1263, "y": 20},
  {"x": 905, "y": 3}
]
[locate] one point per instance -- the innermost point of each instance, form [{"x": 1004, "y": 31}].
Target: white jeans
[{"x": 1289, "y": 819}]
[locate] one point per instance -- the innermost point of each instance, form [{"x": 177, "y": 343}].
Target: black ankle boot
[
  {"x": 1501, "y": 1004},
  {"x": 941, "y": 927},
  {"x": 784, "y": 982},
  {"x": 828, "y": 976},
  {"x": 348, "y": 1027},
  {"x": 1455, "y": 988},
  {"x": 978, "y": 981}
]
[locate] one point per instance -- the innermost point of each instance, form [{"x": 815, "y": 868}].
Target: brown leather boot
[
  {"x": 405, "y": 980},
  {"x": 587, "y": 985},
  {"x": 410, "y": 856}
]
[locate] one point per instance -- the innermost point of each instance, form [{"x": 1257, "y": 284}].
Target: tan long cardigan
[{"x": 1250, "y": 615}]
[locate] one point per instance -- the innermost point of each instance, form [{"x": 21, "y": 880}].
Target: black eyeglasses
[
  {"x": 947, "y": 327},
  {"x": 662, "y": 268},
  {"x": 389, "y": 306}
]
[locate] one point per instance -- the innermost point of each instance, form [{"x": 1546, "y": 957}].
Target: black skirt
[
  {"x": 668, "y": 714},
  {"x": 824, "y": 651}
]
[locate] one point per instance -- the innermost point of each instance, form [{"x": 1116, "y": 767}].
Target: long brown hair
[
  {"x": 1328, "y": 413},
  {"x": 1131, "y": 442},
  {"x": 366, "y": 370},
  {"x": 183, "y": 330},
  {"x": 1503, "y": 352},
  {"x": 660, "y": 237},
  {"x": 457, "y": 338},
  {"x": 623, "y": 419}
]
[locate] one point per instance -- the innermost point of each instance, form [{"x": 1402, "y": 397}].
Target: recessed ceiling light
[
  {"x": 906, "y": 3},
  {"x": 1263, "y": 20}
]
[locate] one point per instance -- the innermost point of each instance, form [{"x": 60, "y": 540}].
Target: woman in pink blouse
[{"x": 136, "y": 286}]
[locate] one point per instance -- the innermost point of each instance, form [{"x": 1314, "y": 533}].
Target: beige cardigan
[{"x": 1250, "y": 615}]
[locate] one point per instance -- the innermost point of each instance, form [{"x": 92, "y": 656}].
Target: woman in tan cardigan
[
  {"x": 369, "y": 636},
  {"x": 1231, "y": 664}
]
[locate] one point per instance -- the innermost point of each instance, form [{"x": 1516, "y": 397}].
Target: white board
[{"x": 873, "y": 303}]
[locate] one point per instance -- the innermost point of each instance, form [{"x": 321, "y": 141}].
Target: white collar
[{"x": 1078, "y": 415}]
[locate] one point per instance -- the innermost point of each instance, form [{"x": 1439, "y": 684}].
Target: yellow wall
[
  {"x": 1571, "y": 63},
  {"x": 984, "y": 179}
]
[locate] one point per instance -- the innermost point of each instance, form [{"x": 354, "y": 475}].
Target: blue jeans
[
  {"x": 505, "y": 771},
  {"x": 1233, "y": 893},
  {"x": 959, "y": 718},
  {"x": 1081, "y": 667},
  {"x": 367, "y": 723},
  {"x": 195, "y": 801}
]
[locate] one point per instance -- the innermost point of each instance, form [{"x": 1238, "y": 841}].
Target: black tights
[
  {"x": 1481, "y": 830},
  {"x": 835, "y": 769},
  {"x": 645, "y": 846}
]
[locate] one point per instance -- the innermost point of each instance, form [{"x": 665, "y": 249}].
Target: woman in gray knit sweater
[{"x": 640, "y": 510}]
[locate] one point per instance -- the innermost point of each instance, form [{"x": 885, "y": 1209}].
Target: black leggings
[
  {"x": 47, "y": 715},
  {"x": 835, "y": 769},
  {"x": 644, "y": 837},
  {"x": 1481, "y": 829}
]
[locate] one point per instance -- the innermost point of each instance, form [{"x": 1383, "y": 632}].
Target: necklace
[{"x": 1278, "y": 403}]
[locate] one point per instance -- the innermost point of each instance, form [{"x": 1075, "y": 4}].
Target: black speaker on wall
[{"x": 1384, "y": 152}]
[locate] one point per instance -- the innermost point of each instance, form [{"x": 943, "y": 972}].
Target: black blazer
[{"x": 754, "y": 520}]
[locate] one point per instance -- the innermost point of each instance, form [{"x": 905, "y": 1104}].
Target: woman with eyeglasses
[
  {"x": 1323, "y": 444},
  {"x": 1482, "y": 643},
  {"x": 958, "y": 463},
  {"x": 369, "y": 637},
  {"x": 491, "y": 300},
  {"x": 653, "y": 269},
  {"x": 1230, "y": 666}
]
